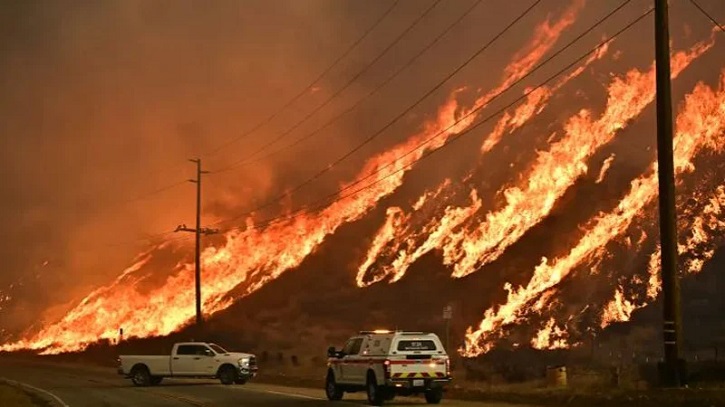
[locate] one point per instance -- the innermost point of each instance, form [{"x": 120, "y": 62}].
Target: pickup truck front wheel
[
  {"x": 227, "y": 374},
  {"x": 140, "y": 376}
]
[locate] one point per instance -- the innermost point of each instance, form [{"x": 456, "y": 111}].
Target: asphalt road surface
[{"x": 79, "y": 386}]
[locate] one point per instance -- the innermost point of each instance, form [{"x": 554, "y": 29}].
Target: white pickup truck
[{"x": 189, "y": 360}]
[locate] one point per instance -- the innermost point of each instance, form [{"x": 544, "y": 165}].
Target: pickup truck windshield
[{"x": 217, "y": 348}]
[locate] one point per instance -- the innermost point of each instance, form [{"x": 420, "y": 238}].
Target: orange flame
[
  {"x": 545, "y": 37},
  {"x": 700, "y": 125},
  {"x": 252, "y": 258},
  {"x": 557, "y": 169},
  {"x": 605, "y": 167},
  {"x": 534, "y": 104},
  {"x": 702, "y": 230},
  {"x": 709, "y": 223},
  {"x": 248, "y": 260},
  {"x": 552, "y": 174},
  {"x": 384, "y": 238},
  {"x": 551, "y": 337},
  {"x": 619, "y": 309},
  {"x": 404, "y": 257},
  {"x": 436, "y": 232}
]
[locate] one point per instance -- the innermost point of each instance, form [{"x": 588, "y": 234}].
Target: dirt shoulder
[{"x": 13, "y": 396}]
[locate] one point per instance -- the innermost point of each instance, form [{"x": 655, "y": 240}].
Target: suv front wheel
[{"x": 332, "y": 390}]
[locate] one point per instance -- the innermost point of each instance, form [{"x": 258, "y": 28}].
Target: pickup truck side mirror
[
  {"x": 332, "y": 353},
  {"x": 208, "y": 352}
]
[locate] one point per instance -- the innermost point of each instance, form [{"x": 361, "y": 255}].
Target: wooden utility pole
[
  {"x": 198, "y": 231},
  {"x": 673, "y": 367},
  {"x": 447, "y": 315}
]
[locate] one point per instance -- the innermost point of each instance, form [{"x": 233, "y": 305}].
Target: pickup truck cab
[
  {"x": 386, "y": 364},
  {"x": 189, "y": 360}
]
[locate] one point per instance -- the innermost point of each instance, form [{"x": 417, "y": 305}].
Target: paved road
[{"x": 79, "y": 386}]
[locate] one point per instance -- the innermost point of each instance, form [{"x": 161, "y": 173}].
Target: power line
[
  {"x": 248, "y": 160},
  {"x": 276, "y": 113},
  {"x": 395, "y": 119},
  {"x": 326, "y": 202},
  {"x": 703, "y": 11},
  {"x": 303, "y": 92},
  {"x": 151, "y": 193},
  {"x": 336, "y": 93},
  {"x": 308, "y": 87}
]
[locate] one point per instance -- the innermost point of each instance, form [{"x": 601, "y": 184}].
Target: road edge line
[
  {"x": 279, "y": 393},
  {"x": 43, "y": 392}
]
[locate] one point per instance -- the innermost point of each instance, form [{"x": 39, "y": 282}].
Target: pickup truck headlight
[{"x": 244, "y": 362}]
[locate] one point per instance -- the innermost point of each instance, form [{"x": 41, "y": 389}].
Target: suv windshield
[
  {"x": 217, "y": 348},
  {"x": 416, "y": 345}
]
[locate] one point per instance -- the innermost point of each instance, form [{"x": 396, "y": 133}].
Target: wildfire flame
[
  {"x": 558, "y": 168},
  {"x": 619, "y": 309},
  {"x": 253, "y": 257},
  {"x": 605, "y": 167},
  {"x": 551, "y": 336},
  {"x": 700, "y": 125},
  {"x": 698, "y": 247},
  {"x": 469, "y": 248}
]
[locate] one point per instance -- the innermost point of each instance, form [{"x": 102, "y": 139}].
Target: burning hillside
[{"x": 471, "y": 224}]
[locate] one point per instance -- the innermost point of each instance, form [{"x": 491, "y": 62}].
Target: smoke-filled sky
[{"x": 103, "y": 102}]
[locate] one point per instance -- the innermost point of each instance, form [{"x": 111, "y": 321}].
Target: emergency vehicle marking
[
  {"x": 422, "y": 375},
  {"x": 390, "y": 362}
]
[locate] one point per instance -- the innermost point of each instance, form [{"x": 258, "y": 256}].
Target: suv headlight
[{"x": 244, "y": 362}]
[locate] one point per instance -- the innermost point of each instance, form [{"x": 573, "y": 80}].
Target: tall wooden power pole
[
  {"x": 198, "y": 231},
  {"x": 673, "y": 367}
]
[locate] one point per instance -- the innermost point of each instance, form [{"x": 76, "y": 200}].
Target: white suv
[{"x": 386, "y": 364}]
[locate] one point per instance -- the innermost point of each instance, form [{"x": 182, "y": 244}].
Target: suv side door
[
  {"x": 342, "y": 372},
  {"x": 354, "y": 368}
]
